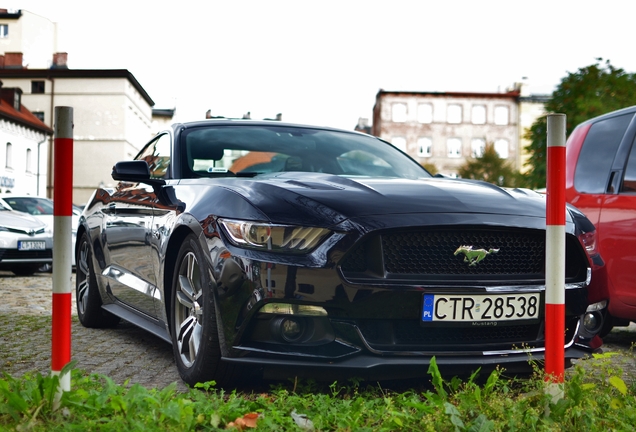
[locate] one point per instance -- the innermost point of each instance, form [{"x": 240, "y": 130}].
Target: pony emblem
[{"x": 474, "y": 256}]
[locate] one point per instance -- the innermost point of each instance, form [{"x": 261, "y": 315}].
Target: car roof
[
  {"x": 622, "y": 111},
  {"x": 248, "y": 122}
]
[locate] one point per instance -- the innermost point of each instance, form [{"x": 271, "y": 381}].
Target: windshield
[
  {"x": 31, "y": 205},
  {"x": 258, "y": 149}
]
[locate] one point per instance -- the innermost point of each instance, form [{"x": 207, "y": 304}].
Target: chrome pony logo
[{"x": 474, "y": 256}]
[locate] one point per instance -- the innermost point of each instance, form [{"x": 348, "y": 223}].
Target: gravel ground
[
  {"x": 127, "y": 353},
  {"x": 124, "y": 353}
]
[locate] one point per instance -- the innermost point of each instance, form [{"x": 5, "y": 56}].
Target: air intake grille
[
  {"x": 411, "y": 335},
  {"x": 25, "y": 255}
]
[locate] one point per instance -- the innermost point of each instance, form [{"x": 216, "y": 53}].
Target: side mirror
[
  {"x": 131, "y": 171},
  {"x": 136, "y": 171}
]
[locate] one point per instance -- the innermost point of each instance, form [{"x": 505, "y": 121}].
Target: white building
[
  {"x": 112, "y": 113},
  {"x": 24, "y": 32},
  {"x": 112, "y": 117},
  {"x": 23, "y": 141},
  {"x": 445, "y": 129}
]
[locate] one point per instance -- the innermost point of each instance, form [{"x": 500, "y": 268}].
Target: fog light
[
  {"x": 592, "y": 321},
  {"x": 289, "y": 329}
]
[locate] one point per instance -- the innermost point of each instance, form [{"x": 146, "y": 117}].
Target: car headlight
[{"x": 277, "y": 238}]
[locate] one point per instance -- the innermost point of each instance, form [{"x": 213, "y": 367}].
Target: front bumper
[{"x": 371, "y": 367}]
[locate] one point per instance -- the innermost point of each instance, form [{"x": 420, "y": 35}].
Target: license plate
[
  {"x": 487, "y": 307},
  {"x": 31, "y": 245}
]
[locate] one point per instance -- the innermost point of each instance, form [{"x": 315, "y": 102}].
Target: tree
[
  {"x": 431, "y": 168},
  {"x": 491, "y": 168},
  {"x": 591, "y": 91}
]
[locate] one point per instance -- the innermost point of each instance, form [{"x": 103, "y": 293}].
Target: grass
[{"x": 596, "y": 398}]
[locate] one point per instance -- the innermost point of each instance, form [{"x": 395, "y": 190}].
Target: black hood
[{"x": 355, "y": 197}]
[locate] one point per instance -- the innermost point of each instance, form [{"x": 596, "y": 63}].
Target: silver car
[
  {"x": 42, "y": 209},
  {"x": 26, "y": 243}
]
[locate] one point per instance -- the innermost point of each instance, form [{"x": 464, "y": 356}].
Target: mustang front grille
[{"x": 458, "y": 254}]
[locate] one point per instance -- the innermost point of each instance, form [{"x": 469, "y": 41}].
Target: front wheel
[
  {"x": 195, "y": 338},
  {"x": 88, "y": 300}
]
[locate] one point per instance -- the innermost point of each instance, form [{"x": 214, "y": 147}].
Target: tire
[
  {"x": 195, "y": 337},
  {"x": 87, "y": 297},
  {"x": 25, "y": 270}
]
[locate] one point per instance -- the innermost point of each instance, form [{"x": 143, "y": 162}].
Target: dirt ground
[{"x": 128, "y": 354}]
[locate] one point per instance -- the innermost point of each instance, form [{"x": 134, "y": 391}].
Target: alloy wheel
[
  {"x": 188, "y": 311},
  {"x": 82, "y": 273}
]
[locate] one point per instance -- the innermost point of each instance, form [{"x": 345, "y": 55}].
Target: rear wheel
[
  {"x": 88, "y": 300},
  {"x": 195, "y": 337}
]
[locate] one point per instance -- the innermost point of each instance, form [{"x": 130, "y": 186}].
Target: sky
[{"x": 323, "y": 62}]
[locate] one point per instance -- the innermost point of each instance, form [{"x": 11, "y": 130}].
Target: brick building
[{"x": 446, "y": 128}]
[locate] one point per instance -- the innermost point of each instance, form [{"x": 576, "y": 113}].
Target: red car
[{"x": 601, "y": 182}]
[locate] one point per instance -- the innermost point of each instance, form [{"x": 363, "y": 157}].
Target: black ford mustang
[{"x": 298, "y": 250}]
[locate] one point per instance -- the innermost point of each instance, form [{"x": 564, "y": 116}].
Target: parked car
[
  {"x": 41, "y": 208},
  {"x": 298, "y": 250},
  {"x": 601, "y": 182},
  {"x": 26, "y": 244}
]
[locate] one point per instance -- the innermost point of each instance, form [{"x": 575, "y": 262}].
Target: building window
[
  {"x": 501, "y": 115},
  {"x": 37, "y": 87},
  {"x": 478, "y": 116},
  {"x": 425, "y": 113},
  {"x": 454, "y": 146},
  {"x": 39, "y": 115},
  {"x": 399, "y": 143},
  {"x": 4, "y": 31},
  {"x": 424, "y": 147},
  {"x": 501, "y": 147},
  {"x": 454, "y": 113},
  {"x": 9, "y": 155},
  {"x": 398, "y": 112},
  {"x": 29, "y": 160},
  {"x": 477, "y": 147}
]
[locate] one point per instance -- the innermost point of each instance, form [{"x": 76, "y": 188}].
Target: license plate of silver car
[
  {"x": 480, "y": 307},
  {"x": 31, "y": 245}
]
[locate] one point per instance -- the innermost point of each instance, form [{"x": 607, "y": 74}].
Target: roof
[
  {"x": 10, "y": 14},
  {"x": 23, "y": 117},
  {"x": 507, "y": 95},
  {"x": 76, "y": 73},
  {"x": 163, "y": 112}
]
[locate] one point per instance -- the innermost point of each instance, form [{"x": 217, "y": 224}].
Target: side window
[
  {"x": 598, "y": 152},
  {"x": 157, "y": 154},
  {"x": 629, "y": 183}
]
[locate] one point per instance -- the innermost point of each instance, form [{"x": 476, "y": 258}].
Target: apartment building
[{"x": 446, "y": 128}]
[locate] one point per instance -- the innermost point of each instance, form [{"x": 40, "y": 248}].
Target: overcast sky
[{"x": 322, "y": 62}]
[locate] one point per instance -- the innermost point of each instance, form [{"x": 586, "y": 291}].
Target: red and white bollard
[
  {"x": 62, "y": 246},
  {"x": 555, "y": 258}
]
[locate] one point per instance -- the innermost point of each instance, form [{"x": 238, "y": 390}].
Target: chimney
[
  {"x": 13, "y": 60},
  {"x": 60, "y": 60}
]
